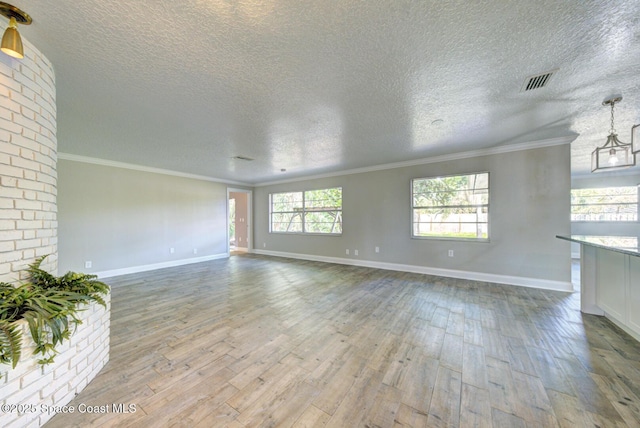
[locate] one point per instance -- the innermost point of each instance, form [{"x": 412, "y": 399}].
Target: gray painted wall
[
  {"x": 529, "y": 205},
  {"x": 120, "y": 218}
]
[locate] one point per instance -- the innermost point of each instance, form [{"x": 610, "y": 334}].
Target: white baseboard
[
  {"x": 544, "y": 284},
  {"x": 154, "y": 266},
  {"x": 622, "y": 325}
]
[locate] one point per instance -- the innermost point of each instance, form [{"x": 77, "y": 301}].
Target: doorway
[{"x": 239, "y": 221}]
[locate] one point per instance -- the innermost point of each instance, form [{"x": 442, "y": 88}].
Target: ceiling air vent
[
  {"x": 537, "y": 81},
  {"x": 244, "y": 158}
]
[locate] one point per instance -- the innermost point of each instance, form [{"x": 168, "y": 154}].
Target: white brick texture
[
  {"x": 28, "y": 156},
  {"x": 32, "y": 387},
  {"x": 28, "y": 230}
]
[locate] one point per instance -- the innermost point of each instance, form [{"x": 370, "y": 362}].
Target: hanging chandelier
[{"x": 614, "y": 154}]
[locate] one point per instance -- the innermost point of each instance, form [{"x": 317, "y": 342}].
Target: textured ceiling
[{"x": 315, "y": 87}]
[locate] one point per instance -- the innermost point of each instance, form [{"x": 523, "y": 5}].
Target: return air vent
[
  {"x": 243, "y": 158},
  {"x": 537, "y": 81}
]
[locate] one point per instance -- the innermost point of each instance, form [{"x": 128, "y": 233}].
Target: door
[{"x": 239, "y": 227}]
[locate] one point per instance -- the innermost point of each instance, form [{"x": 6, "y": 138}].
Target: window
[
  {"x": 454, "y": 207},
  {"x": 605, "y": 204},
  {"x": 312, "y": 211}
]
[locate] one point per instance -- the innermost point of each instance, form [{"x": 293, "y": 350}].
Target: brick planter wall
[{"x": 31, "y": 391}]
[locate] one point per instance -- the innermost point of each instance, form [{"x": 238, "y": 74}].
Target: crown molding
[
  {"x": 114, "y": 164},
  {"x": 434, "y": 159},
  {"x": 422, "y": 161}
]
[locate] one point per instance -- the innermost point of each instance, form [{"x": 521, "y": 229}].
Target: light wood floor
[{"x": 259, "y": 341}]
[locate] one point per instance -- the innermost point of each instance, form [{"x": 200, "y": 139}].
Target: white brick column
[
  {"x": 28, "y": 230},
  {"x": 28, "y": 156}
]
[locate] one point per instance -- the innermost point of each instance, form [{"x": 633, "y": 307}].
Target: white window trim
[
  {"x": 451, "y": 238},
  {"x": 637, "y": 203},
  {"x": 303, "y": 211}
]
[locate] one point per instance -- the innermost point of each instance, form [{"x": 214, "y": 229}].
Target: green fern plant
[
  {"x": 85, "y": 285},
  {"x": 10, "y": 343},
  {"x": 49, "y": 305}
]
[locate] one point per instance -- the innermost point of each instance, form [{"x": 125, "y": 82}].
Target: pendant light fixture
[
  {"x": 11, "y": 41},
  {"x": 614, "y": 154}
]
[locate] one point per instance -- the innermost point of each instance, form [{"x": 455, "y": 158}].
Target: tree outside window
[
  {"x": 312, "y": 211},
  {"x": 451, "y": 207}
]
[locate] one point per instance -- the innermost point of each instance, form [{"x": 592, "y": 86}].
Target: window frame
[
  {"x": 452, "y": 238},
  {"x": 604, "y": 221},
  {"x": 305, "y": 210}
]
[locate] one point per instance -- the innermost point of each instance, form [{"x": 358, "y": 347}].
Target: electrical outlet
[
  {"x": 264, "y": 245},
  {"x": 377, "y": 249},
  {"x": 450, "y": 253},
  {"x": 172, "y": 250},
  {"x": 88, "y": 264},
  {"x": 195, "y": 251},
  {"x": 355, "y": 252},
  {"x": 347, "y": 251}
]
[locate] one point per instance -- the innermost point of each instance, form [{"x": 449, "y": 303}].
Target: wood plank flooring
[{"x": 254, "y": 341}]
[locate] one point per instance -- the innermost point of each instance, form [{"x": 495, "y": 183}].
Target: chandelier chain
[{"x": 613, "y": 129}]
